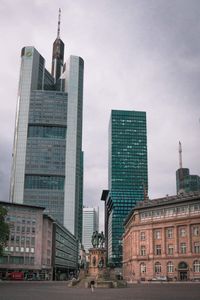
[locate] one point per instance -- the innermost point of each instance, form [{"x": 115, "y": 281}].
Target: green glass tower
[{"x": 128, "y": 174}]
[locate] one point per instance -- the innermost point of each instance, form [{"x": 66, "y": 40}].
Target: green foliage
[{"x": 4, "y": 229}]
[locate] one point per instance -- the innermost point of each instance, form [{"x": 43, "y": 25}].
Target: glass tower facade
[
  {"x": 90, "y": 224},
  {"x": 185, "y": 182},
  {"x": 128, "y": 174},
  {"x": 47, "y": 167}
]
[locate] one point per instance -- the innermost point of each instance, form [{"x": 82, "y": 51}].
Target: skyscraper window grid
[
  {"x": 128, "y": 178},
  {"x": 47, "y": 167}
]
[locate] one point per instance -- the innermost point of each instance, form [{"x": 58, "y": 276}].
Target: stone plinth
[
  {"x": 104, "y": 284},
  {"x": 97, "y": 262}
]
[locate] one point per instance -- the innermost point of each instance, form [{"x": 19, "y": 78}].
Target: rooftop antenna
[
  {"x": 180, "y": 156},
  {"x": 59, "y": 17},
  {"x": 57, "y": 54},
  {"x": 180, "y": 163}
]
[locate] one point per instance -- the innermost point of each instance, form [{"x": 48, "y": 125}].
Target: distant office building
[
  {"x": 90, "y": 224},
  {"x": 47, "y": 167},
  {"x": 185, "y": 182},
  {"x": 128, "y": 178},
  {"x": 162, "y": 239},
  {"x": 38, "y": 246}
]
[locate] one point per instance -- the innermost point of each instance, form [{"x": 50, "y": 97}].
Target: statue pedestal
[{"x": 97, "y": 262}]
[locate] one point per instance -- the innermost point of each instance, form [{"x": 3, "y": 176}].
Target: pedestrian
[{"x": 92, "y": 283}]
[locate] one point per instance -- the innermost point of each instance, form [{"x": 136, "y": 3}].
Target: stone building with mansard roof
[{"x": 162, "y": 239}]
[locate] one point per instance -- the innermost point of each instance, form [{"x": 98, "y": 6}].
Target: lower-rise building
[
  {"x": 65, "y": 253},
  {"x": 38, "y": 248},
  {"x": 162, "y": 239}
]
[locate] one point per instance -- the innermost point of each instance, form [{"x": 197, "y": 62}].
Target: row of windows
[
  {"x": 17, "y": 260},
  {"x": 64, "y": 262},
  {"x": 28, "y": 240},
  {"x": 118, "y": 127},
  {"x": 20, "y": 249},
  {"x": 44, "y": 182},
  {"x": 46, "y": 131},
  {"x": 51, "y": 165},
  {"x": 66, "y": 241},
  {"x": 64, "y": 255},
  {"x": 170, "y": 211},
  {"x": 195, "y": 230},
  {"x": 24, "y": 229},
  {"x": 66, "y": 247},
  {"x": 19, "y": 219},
  {"x": 170, "y": 249},
  {"x": 134, "y": 122},
  {"x": 170, "y": 267}
]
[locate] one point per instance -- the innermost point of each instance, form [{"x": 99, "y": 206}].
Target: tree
[{"x": 4, "y": 229}]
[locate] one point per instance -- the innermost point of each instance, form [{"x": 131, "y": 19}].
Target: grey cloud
[{"x": 139, "y": 55}]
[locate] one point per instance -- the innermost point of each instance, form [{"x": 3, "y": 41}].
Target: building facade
[
  {"x": 162, "y": 239},
  {"x": 127, "y": 177},
  {"x": 185, "y": 182},
  {"x": 90, "y": 224},
  {"x": 47, "y": 167},
  {"x": 29, "y": 247},
  {"x": 65, "y": 253},
  {"x": 38, "y": 246}
]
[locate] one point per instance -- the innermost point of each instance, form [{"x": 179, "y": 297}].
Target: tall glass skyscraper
[
  {"x": 128, "y": 174},
  {"x": 47, "y": 165}
]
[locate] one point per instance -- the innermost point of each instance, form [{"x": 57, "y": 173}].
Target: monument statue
[
  {"x": 95, "y": 240},
  {"x": 97, "y": 255},
  {"x": 98, "y": 239},
  {"x": 101, "y": 263},
  {"x": 101, "y": 239}
]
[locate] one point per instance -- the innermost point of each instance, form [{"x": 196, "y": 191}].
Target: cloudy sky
[{"x": 139, "y": 55}]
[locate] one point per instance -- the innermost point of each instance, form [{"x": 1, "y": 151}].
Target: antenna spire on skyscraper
[
  {"x": 59, "y": 17},
  {"x": 58, "y": 53},
  {"x": 180, "y": 155}
]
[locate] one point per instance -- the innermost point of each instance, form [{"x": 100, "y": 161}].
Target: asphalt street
[{"x": 60, "y": 291}]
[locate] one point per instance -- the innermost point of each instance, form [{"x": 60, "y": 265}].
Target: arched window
[
  {"x": 170, "y": 267},
  {"x": 142, "y": 268},
  {"x": 157, "y": 267},
  {"x": 196, "y": 266},
  {"x": 182, "y": 266}
]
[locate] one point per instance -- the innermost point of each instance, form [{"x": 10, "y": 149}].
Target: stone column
[
  {"x": 163, "y": 241},
  {"x": 189, "y": 240},
  {"x": 176, "y": 241}
]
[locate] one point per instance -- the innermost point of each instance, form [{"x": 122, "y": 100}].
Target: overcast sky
[{"x": 139, "y": 55}]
